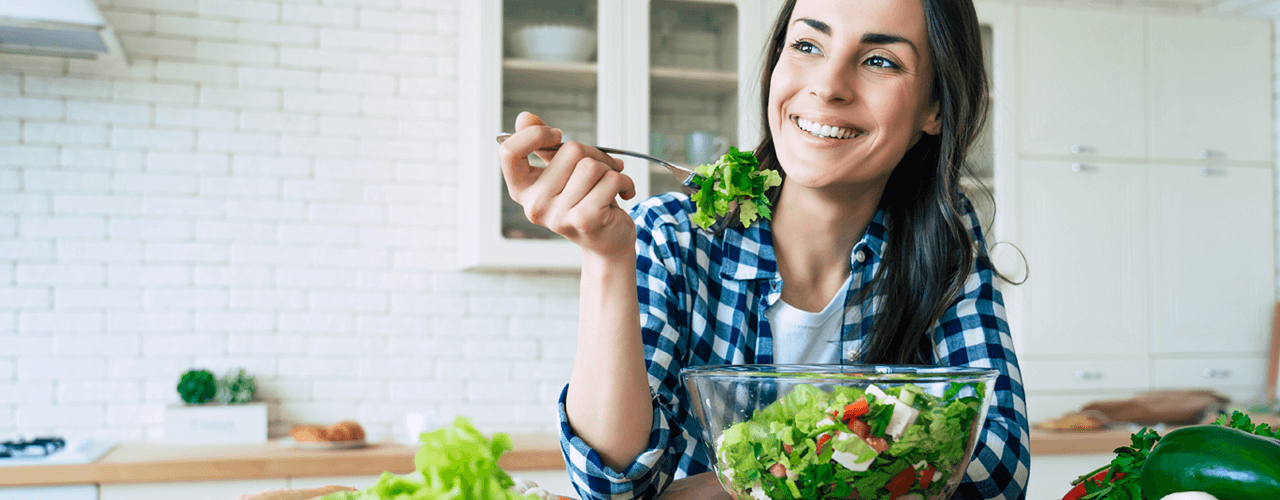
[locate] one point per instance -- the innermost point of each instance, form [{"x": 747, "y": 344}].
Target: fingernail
[{"x": 558, "y": 132}]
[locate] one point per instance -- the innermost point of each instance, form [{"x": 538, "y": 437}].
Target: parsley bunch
[{"x": 735, "y": 177}]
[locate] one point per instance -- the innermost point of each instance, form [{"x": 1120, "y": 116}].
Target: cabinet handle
[
  {"x": 1217, "y": 373},
  {"x": 1212, "y": 171},
  {"x": 1088, "y": 375},
  {"x": 1082, "y": 149},
  {"x": 1081, "y": 167},
  {"x": 1212, "y": 153}
]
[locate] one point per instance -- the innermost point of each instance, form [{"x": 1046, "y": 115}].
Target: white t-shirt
[{"x": 806, "y": 337}]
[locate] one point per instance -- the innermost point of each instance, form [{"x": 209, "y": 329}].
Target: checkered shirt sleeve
[{"x": 973, "y": 332}]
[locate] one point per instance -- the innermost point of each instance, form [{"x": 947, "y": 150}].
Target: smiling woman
[{"x": 873, "y": 255}]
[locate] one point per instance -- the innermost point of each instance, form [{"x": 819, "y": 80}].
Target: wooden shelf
[
  {"x": 699, "y": 82},
  {"x": 530, "y": 73},
  {"x": 542, "y": 74}
]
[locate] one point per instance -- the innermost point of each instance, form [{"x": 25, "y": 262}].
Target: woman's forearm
[{"x": 608, "y": 400}]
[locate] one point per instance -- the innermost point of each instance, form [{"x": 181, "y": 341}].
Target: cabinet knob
[
  {"x": 1212, "y": 171},
  {"x": 1088, "y": 375},
  {"x": 1217, "y": 373},
  {"x": 1212, "y": 153},
  {"x": 1081, "y": 149},
  {"x": 1081, "y": 167}
]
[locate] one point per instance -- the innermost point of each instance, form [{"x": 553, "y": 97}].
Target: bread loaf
[{"x": 303, "y": 433}]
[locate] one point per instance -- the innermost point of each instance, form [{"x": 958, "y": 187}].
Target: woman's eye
[
  {"x": 805, "y": 47},
  {"x": 881, "y": 62}
]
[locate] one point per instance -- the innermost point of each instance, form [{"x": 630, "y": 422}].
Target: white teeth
[{"x": 824, "y": 130}]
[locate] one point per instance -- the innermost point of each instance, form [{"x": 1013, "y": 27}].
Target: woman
[{"x": 869, "y": 109}]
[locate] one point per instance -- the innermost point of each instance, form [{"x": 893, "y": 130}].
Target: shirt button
[{"x": 859, "y": 256}]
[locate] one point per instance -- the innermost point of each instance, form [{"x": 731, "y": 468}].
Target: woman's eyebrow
[
  {"x": 820, "y": 26},
  {"x": 885, "y": 39}
]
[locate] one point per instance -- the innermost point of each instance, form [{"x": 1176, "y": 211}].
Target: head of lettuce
[{"x": 455, "y": 462}]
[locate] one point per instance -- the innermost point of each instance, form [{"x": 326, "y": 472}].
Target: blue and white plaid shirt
[{"x": 702, "y": 302}]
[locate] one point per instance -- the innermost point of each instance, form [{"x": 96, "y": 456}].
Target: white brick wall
[
  {"x": 269, "y": 185},
  {"x": 260, "y": 188}
]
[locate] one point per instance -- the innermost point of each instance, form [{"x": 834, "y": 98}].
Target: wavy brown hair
[{"x": 929, "y": 251}]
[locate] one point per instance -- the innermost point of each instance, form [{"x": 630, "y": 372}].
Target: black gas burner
[{"x": 35, "y": 447}]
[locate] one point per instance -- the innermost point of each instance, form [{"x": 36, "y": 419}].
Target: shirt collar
[{"x": 748, "y": 253}]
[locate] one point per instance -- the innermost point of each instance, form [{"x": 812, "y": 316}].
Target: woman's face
[{"x": 851, "y": 91}]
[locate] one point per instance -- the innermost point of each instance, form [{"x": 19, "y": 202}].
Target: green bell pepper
[{"x": 1224, "y": 462}]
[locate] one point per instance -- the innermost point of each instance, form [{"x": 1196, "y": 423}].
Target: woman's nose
[{"x": 833, "y": 83}]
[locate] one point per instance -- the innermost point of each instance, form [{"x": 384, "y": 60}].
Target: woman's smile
[{"x": 822, "y": 130}]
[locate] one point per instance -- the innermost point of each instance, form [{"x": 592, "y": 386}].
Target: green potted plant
[{"x": 216, "y": 409}]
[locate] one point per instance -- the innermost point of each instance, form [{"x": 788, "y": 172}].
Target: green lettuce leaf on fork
[
  {"x": 735, "y": 177},
  {"x": 455, "y": 462}
]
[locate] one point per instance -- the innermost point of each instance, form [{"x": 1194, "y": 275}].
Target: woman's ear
[{"x": 933, "y": 120}]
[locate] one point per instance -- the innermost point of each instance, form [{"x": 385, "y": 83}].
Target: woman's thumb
[{"x": 527, "y": 119}]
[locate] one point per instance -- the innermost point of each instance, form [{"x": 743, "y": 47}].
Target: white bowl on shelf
[{"x": 552, "y": 42}]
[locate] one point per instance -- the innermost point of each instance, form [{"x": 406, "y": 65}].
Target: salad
[
  {"x": 896, "y": 442},
  {"x": 736, "y": 177}
]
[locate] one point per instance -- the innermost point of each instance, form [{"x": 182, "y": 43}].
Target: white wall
[{"x": 270, "y": 185}]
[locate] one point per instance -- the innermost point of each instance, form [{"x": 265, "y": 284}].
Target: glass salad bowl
[{"x": 817, "y": 432}]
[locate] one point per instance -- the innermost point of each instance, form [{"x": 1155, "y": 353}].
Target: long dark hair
[{"x": 929, "y": 250}]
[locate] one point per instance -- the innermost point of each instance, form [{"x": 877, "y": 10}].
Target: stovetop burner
[{"x": 35, "y": 447}]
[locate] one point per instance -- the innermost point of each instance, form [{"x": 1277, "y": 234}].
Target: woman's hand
[{"x": 574, "y": 196}]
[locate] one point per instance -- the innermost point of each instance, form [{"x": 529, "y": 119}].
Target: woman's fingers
[{"x": 513, "y": 155}]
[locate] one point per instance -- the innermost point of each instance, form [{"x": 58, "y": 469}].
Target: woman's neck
[{"x": 813, "y": 235}]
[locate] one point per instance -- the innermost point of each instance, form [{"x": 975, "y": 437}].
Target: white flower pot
[{"x": 215, "y": 423}]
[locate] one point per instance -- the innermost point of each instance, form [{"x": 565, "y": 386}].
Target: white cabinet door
[
  {"x": 1210, "y": 88},
  {"x": 1212, "y": 258},
  {"x": 1080, "y": 85},
  {"x": 1084, "y": 236}
]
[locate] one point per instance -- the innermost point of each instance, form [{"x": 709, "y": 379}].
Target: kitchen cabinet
[
  {"x": 1210, "y": 88},
  {"x": 1212, "y": 253},
  {"x": 1143, "y": 277},
  {"x": 1151, "y": 265},
  {"x": 661, "y": 70},
  {"x": 1081, "y": 82},
  {"x": 1083, "y": 232}
]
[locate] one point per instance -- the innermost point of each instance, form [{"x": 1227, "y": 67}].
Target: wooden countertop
[{"x": 160, "y": 462}]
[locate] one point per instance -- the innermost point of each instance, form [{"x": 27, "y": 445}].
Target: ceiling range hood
[{"x": 64, "y": 28}]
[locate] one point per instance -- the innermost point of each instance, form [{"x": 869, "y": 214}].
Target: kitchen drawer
[
  {"x": 1084, "y": 375},
  {"x": 1208, "y": 373}
]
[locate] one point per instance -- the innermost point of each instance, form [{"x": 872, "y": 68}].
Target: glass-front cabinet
[{"x": 674, "y": 78}]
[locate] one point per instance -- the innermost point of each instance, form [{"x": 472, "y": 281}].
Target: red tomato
[
  {"x": 926, "y": 476},
  {"x": 778, "y": 470},
  {"x": 823, "y": 440},
  {"x": 856, "y": 409},
  {"x": 859, "y": 428},
  {"x": 901, "y": 483},
  {"x": 877, "y": 443}
]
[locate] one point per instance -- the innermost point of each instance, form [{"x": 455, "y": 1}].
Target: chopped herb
[{"x": 736, "y": 177}]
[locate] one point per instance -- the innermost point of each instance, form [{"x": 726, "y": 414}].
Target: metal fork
[{"x": 685, "y": 175}]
